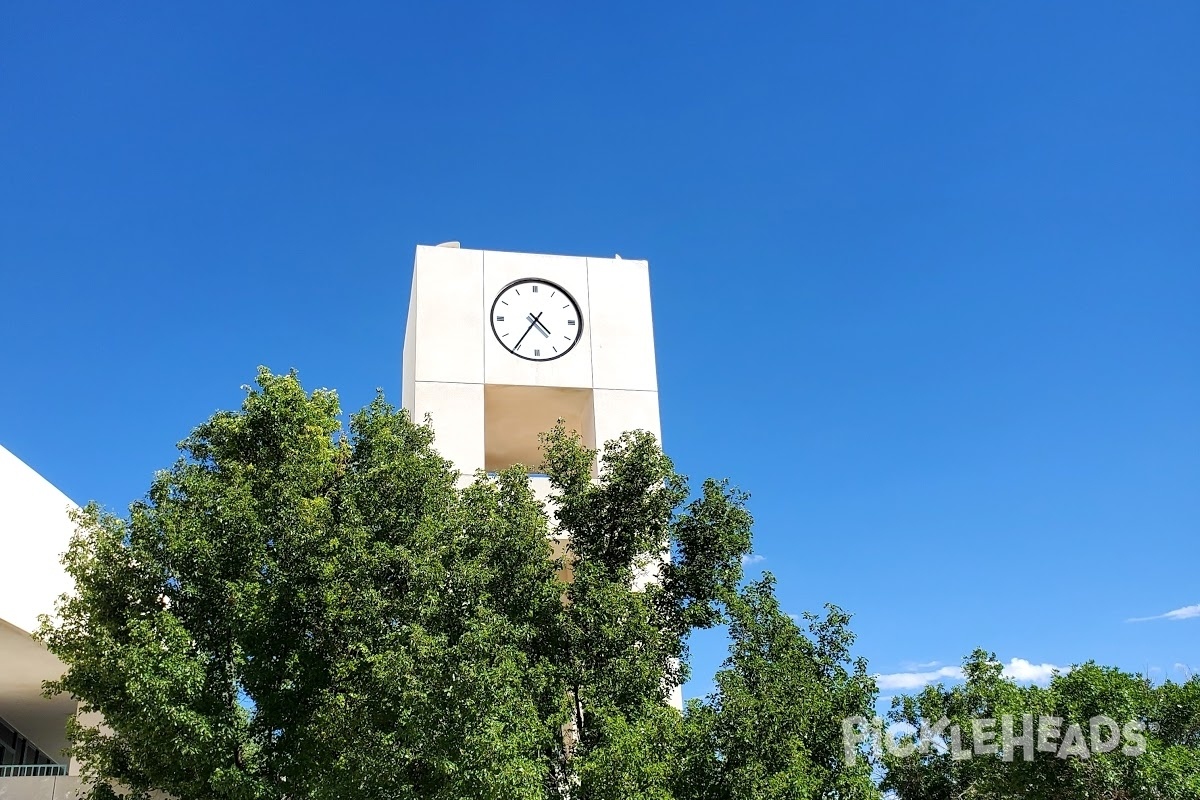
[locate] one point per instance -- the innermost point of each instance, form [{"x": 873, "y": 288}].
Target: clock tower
[{"x": 499, "y": 346}]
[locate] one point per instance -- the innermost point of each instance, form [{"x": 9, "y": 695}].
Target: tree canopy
[
  {"x": 297, "y": 610},
  {"x": 1092, "y": 732},
  {"x": 301, "y": 610}
]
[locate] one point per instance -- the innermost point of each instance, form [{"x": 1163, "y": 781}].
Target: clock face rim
[{"x": 518, "y": 282}]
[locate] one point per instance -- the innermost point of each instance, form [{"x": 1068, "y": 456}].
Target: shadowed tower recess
[{"x": 499, "y": 346}]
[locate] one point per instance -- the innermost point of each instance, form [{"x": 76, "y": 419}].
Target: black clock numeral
[
  {"x": 570, "y": 322},
  {"x": 499, "y": 319},
  {"x": 534, "y": 289},
  {"x": 537, "y": 352}
]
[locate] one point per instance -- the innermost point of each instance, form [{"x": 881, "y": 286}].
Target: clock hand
[
  {"x": 527, "y": 330},
  {"x": 541, "y": 324}
]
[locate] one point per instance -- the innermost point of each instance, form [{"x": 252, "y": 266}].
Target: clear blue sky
[{"x": 926, "y": 276}]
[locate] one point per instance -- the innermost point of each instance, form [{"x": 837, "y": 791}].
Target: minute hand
[{"x": 527, "y": 330}]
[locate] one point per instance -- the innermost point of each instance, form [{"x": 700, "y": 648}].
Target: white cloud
[
  {"x": 1018, "y": 669},
  {"x": 915, "y": 680},
  {"x": 1187, "y": 612},
  {"x": 752, "y": 558},
  {"x": 1021, "y": 670}
]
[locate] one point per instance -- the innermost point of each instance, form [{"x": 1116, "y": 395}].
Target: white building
[{"x": 35, "y": 529}]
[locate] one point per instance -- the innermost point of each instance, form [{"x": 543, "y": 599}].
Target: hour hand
[{"x": 537, "y": 322}]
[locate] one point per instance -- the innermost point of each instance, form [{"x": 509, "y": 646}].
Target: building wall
[
  {"x": 34, "y": 533},
  {"x": 35, "y": 530},
  {"x": 59, "y": 787},
  {"x": 56, "y": 787}
]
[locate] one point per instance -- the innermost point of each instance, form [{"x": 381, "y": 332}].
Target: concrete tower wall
[{"x": 487, "y": 404}]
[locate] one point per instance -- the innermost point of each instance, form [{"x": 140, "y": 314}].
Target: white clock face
[{"x": 536, "y": 319}]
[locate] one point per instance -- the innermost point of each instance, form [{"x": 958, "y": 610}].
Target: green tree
[
  {"x": 772, "y": 730},
  {"x": 293, "y": 612},
  {"x": 298, "y": 610},
  {"x": 1166, "y": 715}
]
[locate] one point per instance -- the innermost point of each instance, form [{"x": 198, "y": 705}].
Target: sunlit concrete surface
[
  {"x": 57, "y": 787},
  {"x": 34, "y": 533},
  {"x": 487, "y": 404},
  {"x": 35, "y": 530}
]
